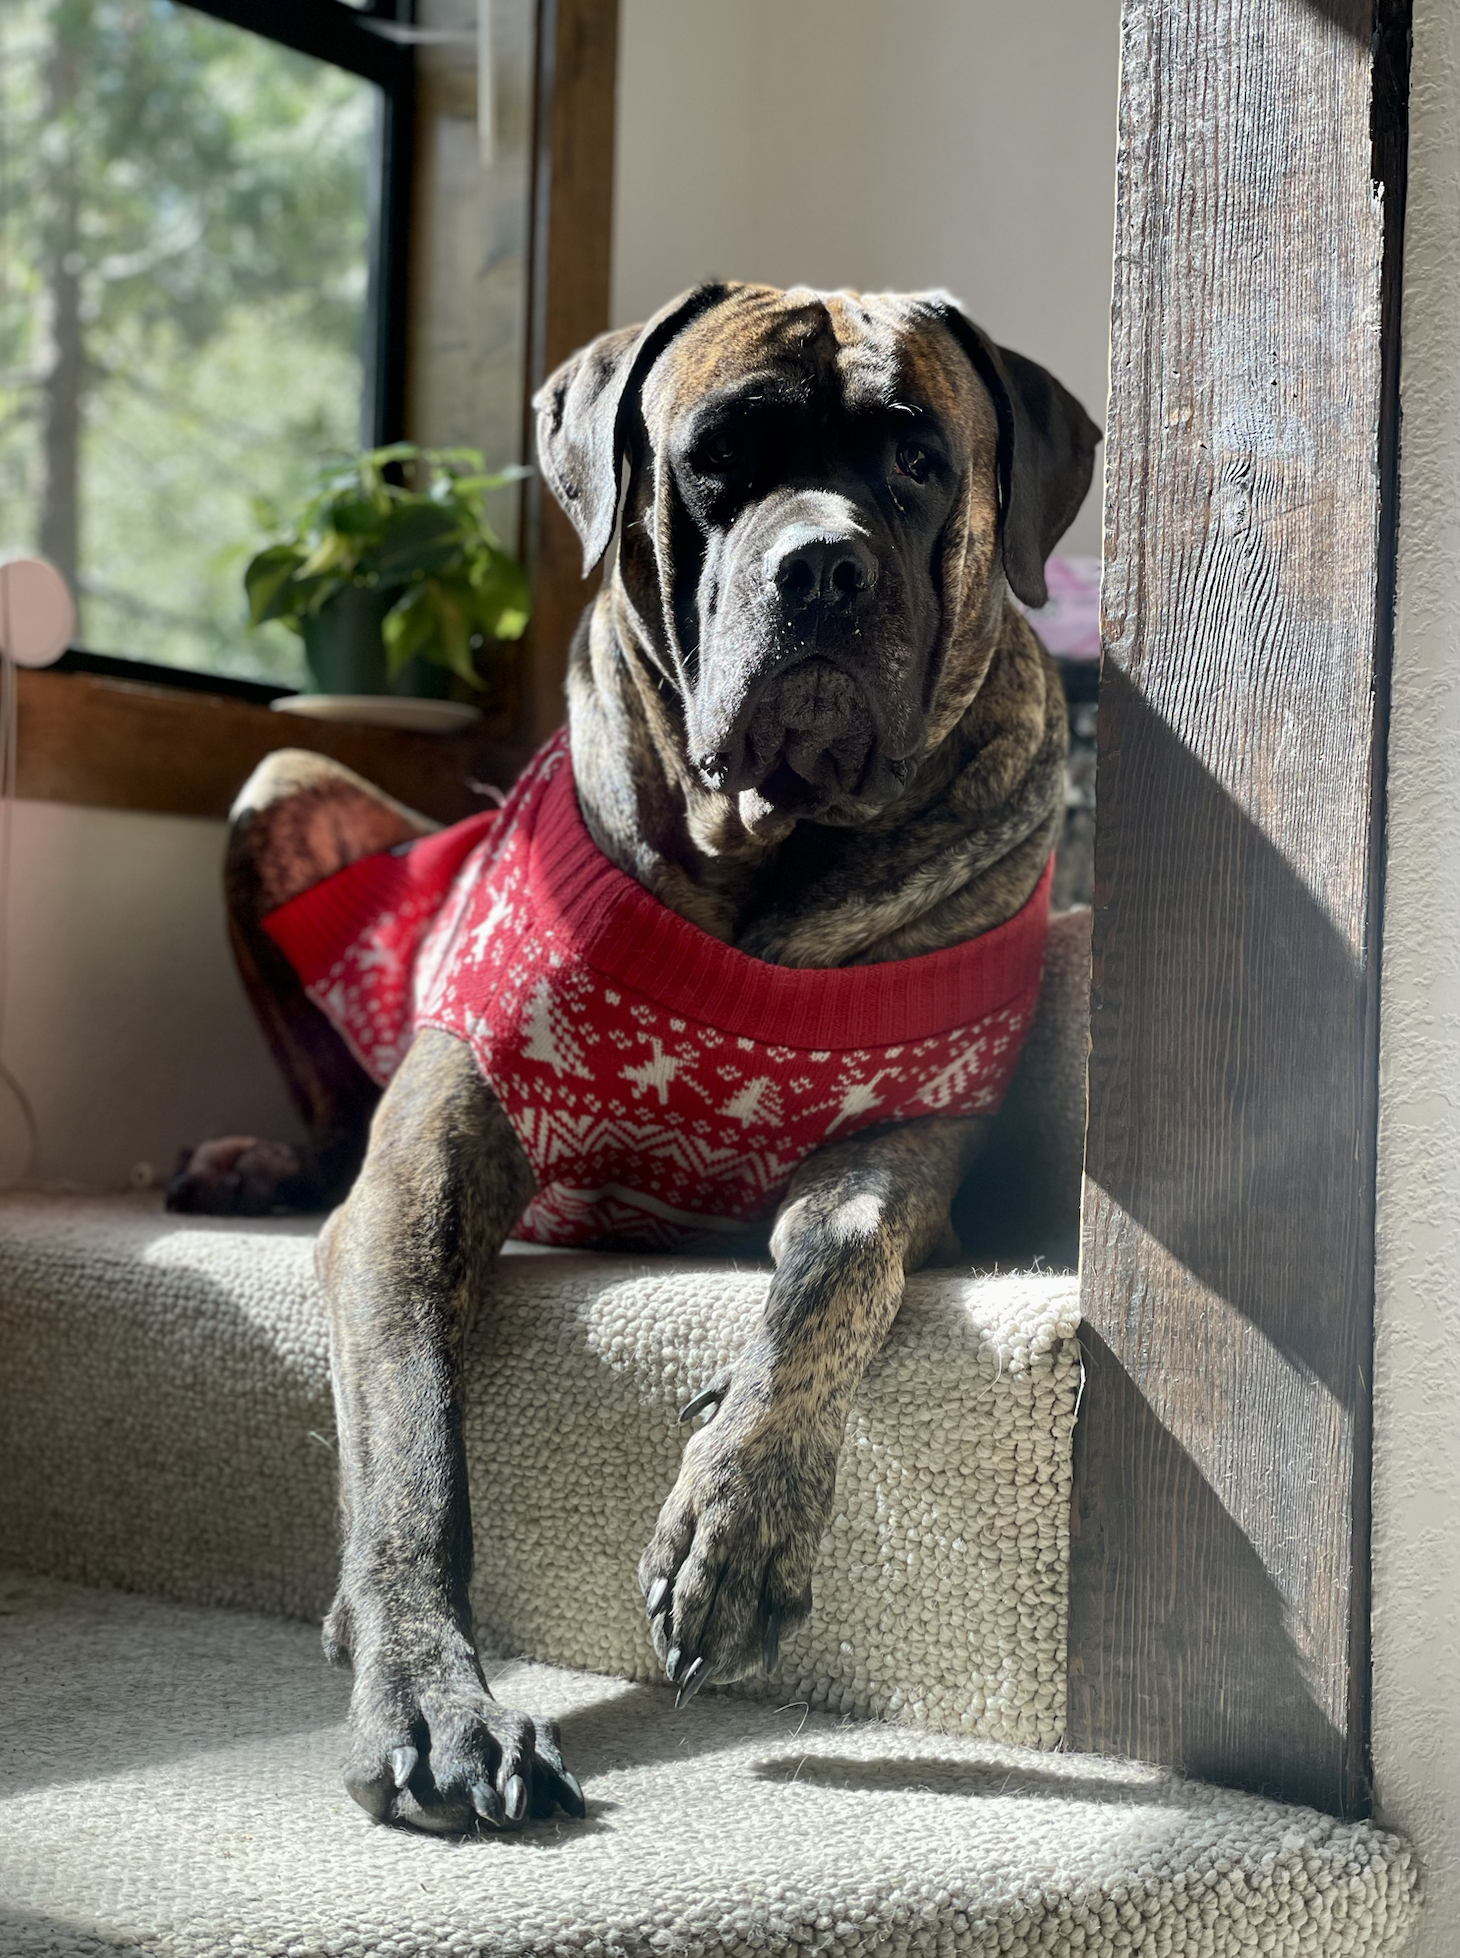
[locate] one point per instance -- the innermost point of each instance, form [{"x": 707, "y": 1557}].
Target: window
[{"x": 200, "y": 249}]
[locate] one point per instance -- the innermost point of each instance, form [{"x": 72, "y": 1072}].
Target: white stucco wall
[
  {"x": 1416, "y": 1537},
  {"x": 885, "y": 144},
  {"x": 124, "y": 1020}
]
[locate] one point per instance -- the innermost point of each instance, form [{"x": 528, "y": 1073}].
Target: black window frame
[{"x": 356, "y": 39}]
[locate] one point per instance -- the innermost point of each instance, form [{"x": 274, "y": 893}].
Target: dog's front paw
[
  {"x": 431, "y": 1749},
  {"x": 729, "y": 1565},
  {"x": 241, "y": 1176}
]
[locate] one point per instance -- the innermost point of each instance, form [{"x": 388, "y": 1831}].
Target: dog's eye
[
  {"x": 719, "y": 451},
  {"x": 914, "y": 461}
]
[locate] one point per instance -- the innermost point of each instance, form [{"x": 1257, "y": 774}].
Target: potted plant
[{"x": 393, "y": 589}]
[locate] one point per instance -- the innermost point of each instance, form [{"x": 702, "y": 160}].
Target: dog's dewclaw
[{"x": 707, "y": 1397}]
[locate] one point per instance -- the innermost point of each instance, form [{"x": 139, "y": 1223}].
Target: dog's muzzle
[{"x": 788, "y": 700}]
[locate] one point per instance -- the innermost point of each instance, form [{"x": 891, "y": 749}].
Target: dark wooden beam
[
  {"x": 1219, "y": 1603},
  {"x": 572, "y": 218}
]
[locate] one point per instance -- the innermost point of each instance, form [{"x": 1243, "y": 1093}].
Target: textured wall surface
[
  {"x": 957, "y": 143},
  {"x": 1416, "y": 1382},
  {"x": 124, "y": 1018}
]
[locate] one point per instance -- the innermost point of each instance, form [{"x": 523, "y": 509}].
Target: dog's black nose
[{"x": 834, "y": 572}]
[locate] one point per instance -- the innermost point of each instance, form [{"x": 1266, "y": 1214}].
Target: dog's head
[{"x": 818, "y": 498}]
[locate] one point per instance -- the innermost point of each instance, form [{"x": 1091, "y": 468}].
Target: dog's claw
[
  {"x": 403, "y": 1765},
  {"x": 516, "y": 1794},
  {"x": 771, "y": 1645},
  {"x": 710, "y": 1396},
  {"x": 658, "y": 1596},
  {"x": 575, "y": 1790},
  {"x": 671, "y": 1664},
  {"x": 694, "y": 1679},
  {"x": 487, "y": 1803}
]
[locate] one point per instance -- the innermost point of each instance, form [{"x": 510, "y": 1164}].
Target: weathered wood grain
[
  {"x": 1218, "y": 1588},
  {"x": 572, "y": 218},
  {"x": 115, "y": 744}
]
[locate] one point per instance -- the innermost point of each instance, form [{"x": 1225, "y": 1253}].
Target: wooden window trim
[
  {"x": 124, "y": 744},
  {"x": 568, "y": 300}
]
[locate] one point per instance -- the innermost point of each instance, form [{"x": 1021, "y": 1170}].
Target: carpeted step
[
  {"x": 169, "y": 1786},
  {"x": 165, "y": 1426}
]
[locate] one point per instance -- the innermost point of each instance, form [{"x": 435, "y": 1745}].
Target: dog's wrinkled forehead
[
  {"x": 634, "y": 385},
  {"x": 857, "y": 352}
]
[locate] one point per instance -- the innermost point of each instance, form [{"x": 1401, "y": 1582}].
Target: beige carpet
[
  {"x": 165, "y": 1426},
  {"x": 169, "y": 1786}
]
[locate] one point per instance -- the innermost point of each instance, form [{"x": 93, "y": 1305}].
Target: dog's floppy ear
[
  {"x": 585, "y": 413},
  {"x": 1046, "y": 451}
]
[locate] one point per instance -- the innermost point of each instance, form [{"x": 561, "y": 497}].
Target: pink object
[
  {"x": 1070, "y": 623},
  {"x": 37, "y": 616},
  {"x": 664, "y": 1086}
]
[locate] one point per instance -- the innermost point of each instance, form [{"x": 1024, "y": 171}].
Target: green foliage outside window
[{"x": 183, "y": 261}]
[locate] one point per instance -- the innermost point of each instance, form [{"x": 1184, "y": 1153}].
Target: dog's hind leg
[
  {"x": 730, "y": 1562},
  {"x": 299, "y": 818},
  {"x": 405, "y": 1261}
]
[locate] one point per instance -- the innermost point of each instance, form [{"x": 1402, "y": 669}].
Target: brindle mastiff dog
[{"x": 806, "y": 715}]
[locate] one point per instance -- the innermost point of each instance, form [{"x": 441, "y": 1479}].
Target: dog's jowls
[{"x": 805, "y": 714}]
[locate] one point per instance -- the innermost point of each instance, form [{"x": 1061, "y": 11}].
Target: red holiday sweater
[{"x": 664, "y": 1086}]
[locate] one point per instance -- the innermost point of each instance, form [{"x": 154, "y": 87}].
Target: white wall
[
  {"x": 882, "y": 144},
  {"x": 1416, "y": 1557},
  {"x": 125, "y": 1021}
]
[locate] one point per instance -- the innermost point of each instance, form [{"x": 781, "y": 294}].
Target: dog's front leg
[
  {"x": 730, "y": 1562},
  {"x": 404, "y": 1261}
]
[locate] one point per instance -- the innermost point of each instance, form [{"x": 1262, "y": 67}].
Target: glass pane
[{"x": 183, "y": 260}]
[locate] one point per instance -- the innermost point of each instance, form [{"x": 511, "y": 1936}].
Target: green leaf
[
  {"x": 512, "y": 622},
  {"x": 358, "y": 516},
  {"x": 331, "y": 552},
  {"x": 502, "y": 602},
  {"x": 392, "y": 452},
  {"x": 516, "y": 472},
  {"x": 418, "y": 538},
  {"x": 452, "y": 459},
  {"x": 433, "y": 621},
  {"x": 268, "y": 579},
  {"x": 455, "y": 642},
  {"x": 322, "y": 590},
  {"x": 408, "y": 629}
]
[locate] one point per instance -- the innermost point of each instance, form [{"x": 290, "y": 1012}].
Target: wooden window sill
[{"x": 120, "y": 744}]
